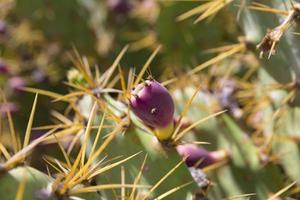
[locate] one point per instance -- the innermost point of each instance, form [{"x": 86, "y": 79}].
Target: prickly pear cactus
[
  {"x": 280, "y": 41},
  {"x": 266, "y": 99}
]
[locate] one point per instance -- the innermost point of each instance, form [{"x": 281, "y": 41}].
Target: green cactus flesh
[{"x": 34, "y": 180}]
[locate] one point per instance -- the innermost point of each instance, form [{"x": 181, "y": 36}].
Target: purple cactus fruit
[
  {"x": 16, "y": 83},
  {"x": 119, "y": 6},
  {"x": 200, "y": 157},
  {"x": 3, "y": 67},
  {"x": 153, "y": 104}
]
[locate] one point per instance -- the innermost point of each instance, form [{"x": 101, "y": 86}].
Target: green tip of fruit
[{"x": 164, "y": 133}]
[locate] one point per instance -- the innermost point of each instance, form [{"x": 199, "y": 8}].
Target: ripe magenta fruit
[
  {"x": 200, "y": 157},
  {"x": 153, "y": 104}
]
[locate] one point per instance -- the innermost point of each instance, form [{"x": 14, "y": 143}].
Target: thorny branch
[{"x": 271, "y": 39}]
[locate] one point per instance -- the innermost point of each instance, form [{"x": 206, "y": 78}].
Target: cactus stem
[
  {"x": 186, "y": 130},
  {"x": 271, "y": 39}
]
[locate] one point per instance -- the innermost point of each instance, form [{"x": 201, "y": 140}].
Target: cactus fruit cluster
[{"x": 224, "y": 128}]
